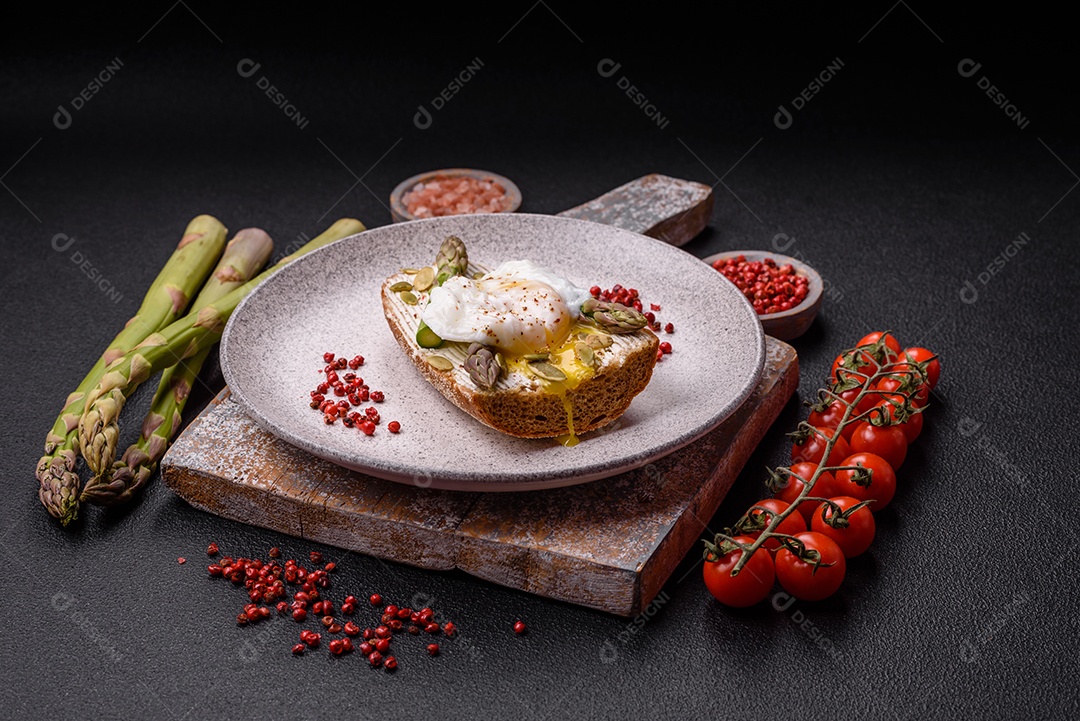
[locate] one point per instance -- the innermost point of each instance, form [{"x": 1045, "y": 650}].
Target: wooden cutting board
[{"x": 608, "y": 544}]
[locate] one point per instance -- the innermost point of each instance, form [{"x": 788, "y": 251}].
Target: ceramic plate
[{"x": 329, "y": 301}]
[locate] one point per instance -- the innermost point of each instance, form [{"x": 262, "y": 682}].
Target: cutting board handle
[{"x": 659, "y": 206}]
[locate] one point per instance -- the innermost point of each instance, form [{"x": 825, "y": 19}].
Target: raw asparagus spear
[
  {"x": 165, "y": 300},
  {"x": 182, "y": 340},
  {"x": 245, "y": 255}
]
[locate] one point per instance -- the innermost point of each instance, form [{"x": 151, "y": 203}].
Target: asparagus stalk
[
  {"x": 451, "y": 260},
  {"x": 165, "y": 300},
  {"x": 484, "y": 365},
  {"x": 182, "y": 340},
  {"x": 613, "y": 317},
  {"x": 245, "y": 255}
]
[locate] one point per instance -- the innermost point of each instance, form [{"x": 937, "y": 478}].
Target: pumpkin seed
[
  {"x": 478, "y": 275},
  {"x": 502, "y": 364},
  {"x": 400, "y": 286},
  {"x": 598, "y": 341},
  {"x": 408, "y": 297},
  {"x": 424, "y": 278},
  {"x": 546, "y": 371},
  {"x": 440, "y": 362},
  {"x": 410, "y": 271},
  {"x": 536, "y": 357},
  {"x": 584, "y": 353}
]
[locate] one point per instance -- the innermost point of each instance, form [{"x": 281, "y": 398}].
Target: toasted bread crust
[{"x": 525, "y": 410}]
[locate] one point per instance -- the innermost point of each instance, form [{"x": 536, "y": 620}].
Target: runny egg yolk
[{"x": 565, "y": 358}]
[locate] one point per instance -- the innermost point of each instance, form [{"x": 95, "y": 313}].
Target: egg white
[{"x": 519, "y": 308}]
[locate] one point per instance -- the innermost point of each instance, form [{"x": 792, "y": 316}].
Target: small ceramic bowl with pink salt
[{"x": 453, "y": 191}]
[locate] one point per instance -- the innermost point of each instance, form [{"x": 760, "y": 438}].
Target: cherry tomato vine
[{"x": 845, "y": 458}]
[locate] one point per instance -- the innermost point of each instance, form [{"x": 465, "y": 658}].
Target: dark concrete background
[{"x": 901, "y": 181}]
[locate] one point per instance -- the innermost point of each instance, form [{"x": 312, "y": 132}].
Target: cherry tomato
[
  {"x": 805, "y": 581},
  {"x": 824, "y": 487},
  {"x": 866, "y": 365},
  {"x": 828, "y": 418},
  {"x": 865, "y": 404},
  {"x": 882, "y": 486},
  {"x": 933, "y": 368},
  {"x": 912, "y": 427},
  {"x": 885, "y": 441},
  {"x": 854, "y": 538},
  {"x": 890, "y": 341},
  {"x": 813, "y": 449},
  {"x": 753, "y": 583},
  {"x": 795, "y": 523},
  {"x": 892, "y": 384}
]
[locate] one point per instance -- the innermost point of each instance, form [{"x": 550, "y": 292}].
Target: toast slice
[{"x": 520, "y": 403}]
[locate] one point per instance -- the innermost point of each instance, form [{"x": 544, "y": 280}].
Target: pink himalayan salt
[{"x": 445, "y": 195}]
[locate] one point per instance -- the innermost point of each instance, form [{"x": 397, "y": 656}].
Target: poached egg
[{"x": 519, "y": 308}]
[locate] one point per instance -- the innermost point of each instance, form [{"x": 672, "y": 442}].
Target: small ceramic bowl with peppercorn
[
  {"x": 785, "y": 292},
  {"x": 453, "y": 191}
]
